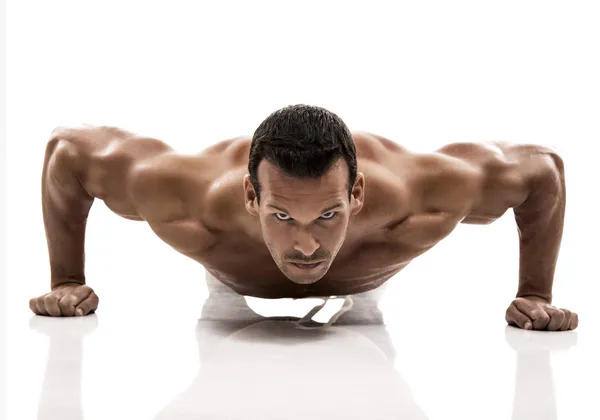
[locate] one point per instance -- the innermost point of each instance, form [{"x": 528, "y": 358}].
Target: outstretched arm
[
  {"x": 79, "y": 166},
  {"x": 531, "y": 180},
  {"x": 540, "y": 220}
]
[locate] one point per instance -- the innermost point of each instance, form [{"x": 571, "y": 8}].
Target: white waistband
[{"x": 305, "y": 321}]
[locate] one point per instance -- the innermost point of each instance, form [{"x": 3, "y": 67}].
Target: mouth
[{"x": 307, "y": 267}]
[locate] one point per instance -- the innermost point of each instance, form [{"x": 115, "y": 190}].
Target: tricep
[
  {"x": 507, "y": 174},
  {"x": 138, "y": 178},
  {"x": 103, "y": 160}
]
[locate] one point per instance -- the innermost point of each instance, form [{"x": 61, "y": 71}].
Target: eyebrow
[{"x": 334, "y": 206}]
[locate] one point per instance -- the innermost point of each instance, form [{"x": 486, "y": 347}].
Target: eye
[
  {"x": 282, "y": 214},
  {"x": 330, "y": 213}
]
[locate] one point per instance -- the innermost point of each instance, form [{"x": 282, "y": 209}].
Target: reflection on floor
[
  {"x": 262, "y": 368},
  {"x": 255, "y": 367}
]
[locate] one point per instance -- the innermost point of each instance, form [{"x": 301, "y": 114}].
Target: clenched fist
[
  {"x": 535, "y": 313},
  {"x": 69, "y": 299}
]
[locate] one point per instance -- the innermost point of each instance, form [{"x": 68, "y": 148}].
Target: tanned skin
[{"x": 204, "y": 206}]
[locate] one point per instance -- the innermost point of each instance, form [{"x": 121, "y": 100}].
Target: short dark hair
[{"x": 303, "y": 141}]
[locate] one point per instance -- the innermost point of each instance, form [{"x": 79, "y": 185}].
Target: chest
[
  {"x": 385, "y": 237},
  {"x": 253, "y": 272},
  {"x": 363, "y": 263}
]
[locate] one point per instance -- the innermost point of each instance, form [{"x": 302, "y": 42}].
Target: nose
[{"x": 305, "y": 242}]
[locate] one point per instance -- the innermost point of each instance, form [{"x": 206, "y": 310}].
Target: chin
[{"x": 303, "y": 281}]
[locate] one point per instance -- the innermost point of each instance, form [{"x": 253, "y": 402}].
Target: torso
[{"x": 394, "y": 226}]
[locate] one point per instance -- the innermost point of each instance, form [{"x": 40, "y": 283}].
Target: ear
[
  {"x": 358, "y": 194},
  {"x": 250, "y": 196}
]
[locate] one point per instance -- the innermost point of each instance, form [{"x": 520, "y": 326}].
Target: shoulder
[
  {"x": 175, "y": 185},
  {"x": 165, "y": 186},
  {"x": 374, "y": 146},
  {"x": 186, "y": 174},
  {"x": 504, "y": 173},
  {"x": 205, "y": 187},
  {"x": 507, "y": 163},
  {"x": 443, "y": 183},
  {"x": 500, "y": 155},
  {"x": 90, "y": 134},
  {"x": 442, "y": 180}
]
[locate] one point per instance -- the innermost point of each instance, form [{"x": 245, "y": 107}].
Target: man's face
[{"x": 304, "y": 221}]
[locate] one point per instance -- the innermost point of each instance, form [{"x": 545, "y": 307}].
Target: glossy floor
[{"x": 233, "y": 363}]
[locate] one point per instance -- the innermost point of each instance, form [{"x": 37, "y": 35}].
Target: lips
[{"x": 303, "y": 266}]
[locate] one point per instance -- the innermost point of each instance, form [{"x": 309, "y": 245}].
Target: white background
[
  {"x": 3, "y": 223},
  {"x": 192, "y": 73}
]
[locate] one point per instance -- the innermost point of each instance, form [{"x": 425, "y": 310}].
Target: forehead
[{"x": 274, "y": 182}]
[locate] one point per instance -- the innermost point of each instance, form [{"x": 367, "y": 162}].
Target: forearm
[
  {"x": 540, "y": 222},
  {"x": 65, "y": 207}
]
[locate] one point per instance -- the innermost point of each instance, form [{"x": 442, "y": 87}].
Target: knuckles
[
  {"x": 544, "y": 317},
  {"x": 65, "y": 300},
  {"x": 63, "y": 304},
  {"x": 50, "y": 299},
  {"x": 33, "y": 305}
]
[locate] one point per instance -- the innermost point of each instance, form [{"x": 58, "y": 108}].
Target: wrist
[
  {"x": 57, "y": 283},
  {"x": 536, "y": 297}
]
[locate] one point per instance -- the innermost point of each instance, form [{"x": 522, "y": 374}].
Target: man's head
[{"x": 304, "y": 187}]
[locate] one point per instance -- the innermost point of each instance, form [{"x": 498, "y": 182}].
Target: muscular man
[{"x": 303, "y": 208}]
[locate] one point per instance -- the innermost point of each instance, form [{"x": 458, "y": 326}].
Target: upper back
[
  {"x": 431, "y": 190},
  {"x": 196, "y": 204},
  {"x": 378, "y": 158},
  {"x": 204, "y": 194}
]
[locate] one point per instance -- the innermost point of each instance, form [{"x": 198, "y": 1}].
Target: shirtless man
[{"x": 302, "y": 208}]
